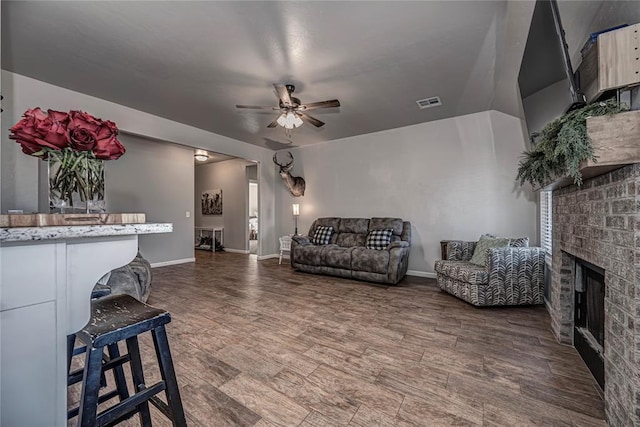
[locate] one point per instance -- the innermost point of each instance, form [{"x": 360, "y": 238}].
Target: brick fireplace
[{"x": 599, "y": 223}]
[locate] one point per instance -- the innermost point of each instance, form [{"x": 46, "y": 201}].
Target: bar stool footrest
[
  {"x": 130, "y": 404},
  {"x": 112, "y": 363},
  {"x": 161, "y": 406},
  {"x": 76, "y": 376},
  {"x": 107, "y": 396}
]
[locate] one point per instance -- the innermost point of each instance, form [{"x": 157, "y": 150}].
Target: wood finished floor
[{"x": 255, "y": 343}]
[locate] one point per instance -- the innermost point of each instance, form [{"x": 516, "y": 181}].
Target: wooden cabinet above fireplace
[
  {"x": 612, "y": 62},
  {"x": 616, "y": 143}
]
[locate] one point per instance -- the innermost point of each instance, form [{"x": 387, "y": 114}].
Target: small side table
[
  {"x": 443, "y": 248},
  {"x": 285, "y": 246}
]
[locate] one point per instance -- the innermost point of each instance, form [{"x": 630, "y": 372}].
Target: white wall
[
  {"x": 252, "y": 172},
  {"x": 19, "y": 172},
  {"x": 253, "y": 198},
  {"x": 453, "y": 179},
  {"x": 231, "y": 177}
]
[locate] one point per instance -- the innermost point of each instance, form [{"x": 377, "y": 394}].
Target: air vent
[{"x": 434, "y": 101}]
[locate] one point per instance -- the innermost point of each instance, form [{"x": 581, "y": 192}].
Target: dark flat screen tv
[{"x": 546, "y": 79}]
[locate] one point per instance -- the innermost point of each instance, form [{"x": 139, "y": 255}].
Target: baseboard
[
  {"x": 418, "y": 273},
  {"x": 172, "y": 262},
  {"x": 269, "y": 256},
  {"x": 236, "y": 251}
]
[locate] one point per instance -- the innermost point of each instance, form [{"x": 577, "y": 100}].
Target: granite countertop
[{"x": 23, "y": 234}]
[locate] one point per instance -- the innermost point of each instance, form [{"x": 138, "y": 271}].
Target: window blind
[{"x": 545, "y": 222}]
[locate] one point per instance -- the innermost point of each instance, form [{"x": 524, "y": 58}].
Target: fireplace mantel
[{"x": 616, "y": 143}]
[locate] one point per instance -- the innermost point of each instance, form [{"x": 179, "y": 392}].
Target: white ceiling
[{"x": 193, "y": 61}]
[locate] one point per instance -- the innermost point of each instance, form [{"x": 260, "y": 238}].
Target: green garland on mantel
[{"x": 562, "y": 145}]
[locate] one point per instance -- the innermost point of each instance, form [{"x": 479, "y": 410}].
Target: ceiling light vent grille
[{"x": 434, "y": 101}]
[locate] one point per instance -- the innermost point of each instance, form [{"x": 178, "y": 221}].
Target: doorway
[
  {"x": 252, "y": 172},
  {"x": 226, "y": 180}
]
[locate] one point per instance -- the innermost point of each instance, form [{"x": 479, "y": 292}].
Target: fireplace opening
[{"x": 588, "y": 335}]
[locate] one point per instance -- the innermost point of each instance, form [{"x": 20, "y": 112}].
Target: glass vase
[{"x": 76, "y": 182}]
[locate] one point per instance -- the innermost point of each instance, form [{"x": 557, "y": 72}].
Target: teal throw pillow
[{"x": 487, "y": 242}]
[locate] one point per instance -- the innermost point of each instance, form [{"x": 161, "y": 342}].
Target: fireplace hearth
[{"x": 588, "y": 333}]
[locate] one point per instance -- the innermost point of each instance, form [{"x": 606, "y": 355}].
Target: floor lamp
[{"x": 296, "y": 214}]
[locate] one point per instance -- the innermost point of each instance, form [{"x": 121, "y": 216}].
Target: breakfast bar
[{"x": 46, "y": 278}]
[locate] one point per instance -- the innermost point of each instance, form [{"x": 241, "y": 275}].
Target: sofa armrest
[
  {"x": 520, "y": 269},
  {"x": 301, "y": 240},
  {"x": 398, "y": 261},
  {"x": 399, "y": 244},
  {"x": 460, "y": 251}
]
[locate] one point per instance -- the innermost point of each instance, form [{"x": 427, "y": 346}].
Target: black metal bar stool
[{"x": 118, "y": 318}]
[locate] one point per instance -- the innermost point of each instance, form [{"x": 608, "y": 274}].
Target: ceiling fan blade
[
  {"x": 317, "y": 123},
  {"x": 332, "y": 103},
  {"x": 258, "y": 107},
  {"x": 274, "y": 123},
  {"x": 283, "y": 95}
]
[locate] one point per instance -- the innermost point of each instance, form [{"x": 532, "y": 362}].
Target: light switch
[{"x": 187, "y": 214}]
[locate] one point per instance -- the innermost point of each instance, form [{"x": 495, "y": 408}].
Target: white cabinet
[
  {"x": 30, "y": 391},
  {"x": 45, "y": 289}
]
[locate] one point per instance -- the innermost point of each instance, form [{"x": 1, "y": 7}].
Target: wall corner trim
[
  {"x": 236, "y": 251},
  {"x": 418, "y": 273},
  {"x": 172, "y": 262}
]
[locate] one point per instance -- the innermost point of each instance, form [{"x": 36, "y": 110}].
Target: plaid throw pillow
[
  {"x": 322, "y": 235},
  {"x": 378, "y": 239}
]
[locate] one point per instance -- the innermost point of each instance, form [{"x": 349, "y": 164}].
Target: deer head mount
[{"x": 295, "y": 184}]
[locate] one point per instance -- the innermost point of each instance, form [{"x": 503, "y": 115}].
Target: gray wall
[
  {"x": 19, "y": 173},
  {"x": 156, "y": 178},
  {"x": 545, "y": 105},
  {"x": 452, "y": 178},
  {"x": 231, "y": 177},
  {"x": 252, "y": 172}
]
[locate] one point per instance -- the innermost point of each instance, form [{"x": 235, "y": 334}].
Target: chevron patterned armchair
[{"x": 512, "y": 275}]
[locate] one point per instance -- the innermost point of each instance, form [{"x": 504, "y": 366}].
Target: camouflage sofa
[
  {"x": 346, "y": 253},
  {"x": 512, "y": 275},
  {"x": 132, "y": 279}
]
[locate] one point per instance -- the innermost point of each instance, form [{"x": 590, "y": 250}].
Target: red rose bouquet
[
  {"x": 38, "y": 133},
  {"x": 74, "y": 144}
]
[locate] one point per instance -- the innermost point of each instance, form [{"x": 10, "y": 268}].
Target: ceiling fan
[{"x": 293, "y": 112}]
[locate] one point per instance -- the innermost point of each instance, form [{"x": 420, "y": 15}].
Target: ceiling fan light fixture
[
  {"x": 292, "y": 111},
  {"x": 282, "y": 120},
  {"x": 290, "y": 120},
  {"x": 201, "y": 157}
]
